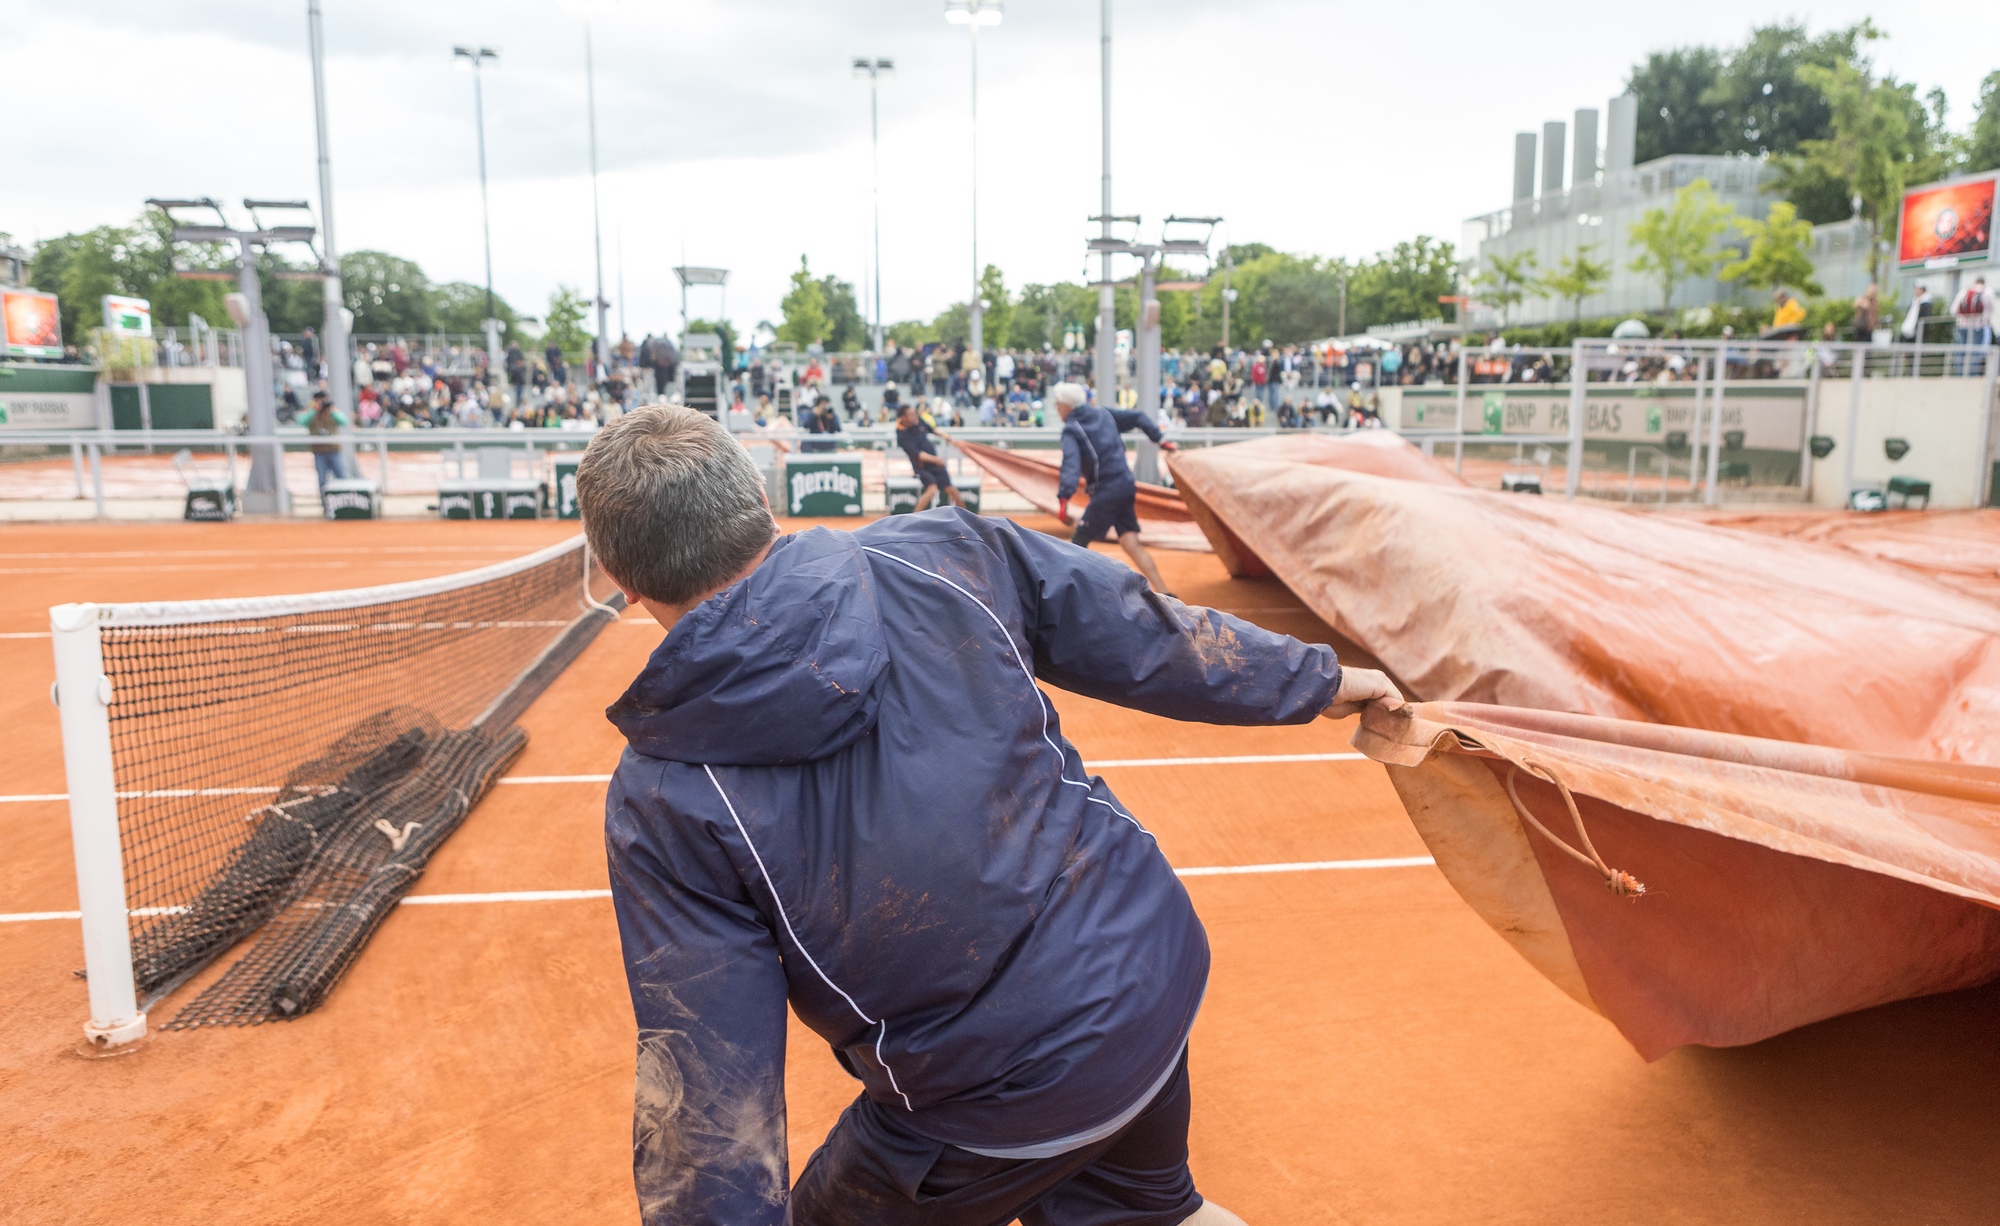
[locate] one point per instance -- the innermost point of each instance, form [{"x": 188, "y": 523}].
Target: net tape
[{"x": 287, "y": 765}]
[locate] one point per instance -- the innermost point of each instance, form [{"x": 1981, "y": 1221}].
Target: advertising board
[
  {"x": 30, "y": 324},
  {"x": 1946, "y": 225}
]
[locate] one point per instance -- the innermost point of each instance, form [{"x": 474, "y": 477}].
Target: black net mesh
[{"x": 290, "y": 764}]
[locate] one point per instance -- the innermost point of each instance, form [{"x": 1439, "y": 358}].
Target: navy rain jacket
[
  {"x": 844, "y": 789},
  {"x": 1094, "y": 450}
]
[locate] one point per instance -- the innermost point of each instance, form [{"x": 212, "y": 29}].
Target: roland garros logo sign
[{"x": 823, "y": 481}]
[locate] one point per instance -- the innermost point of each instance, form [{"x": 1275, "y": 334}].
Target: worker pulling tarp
[
  {"x": 1695, "y": 887},
  {"x": 1472, "y": 595},
  {"x": 1164, "y": 522}
]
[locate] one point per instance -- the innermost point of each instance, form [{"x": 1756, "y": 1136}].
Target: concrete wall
[{"x": 1948, "y": 423}]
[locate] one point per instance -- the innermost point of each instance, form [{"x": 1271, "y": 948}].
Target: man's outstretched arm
[
  {"x": 1098, "y": 630},
  {"x": 708, "y": 989}
]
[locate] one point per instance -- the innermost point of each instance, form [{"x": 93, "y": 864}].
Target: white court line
[
  {"x": 432, "y": 900},
  {"x": 24, "y": 634},
  {"x": 1263, "y": 759}
]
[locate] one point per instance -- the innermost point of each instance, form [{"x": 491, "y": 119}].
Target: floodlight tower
[
  {"x": 339, "y": 362},
  {"x": 596, "y": 217},
  {"x": 875, "y": 70},
  {"x": 972, "y": 14},
  {"x": 264, "y": 492},
  {"x": 476, "y": 58}
]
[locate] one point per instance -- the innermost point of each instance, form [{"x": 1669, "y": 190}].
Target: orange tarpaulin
[
  {"x": 1164, "y": 521},
  {"x": 1466, "y": 594},
  {"x": 1781, "y": 884}
]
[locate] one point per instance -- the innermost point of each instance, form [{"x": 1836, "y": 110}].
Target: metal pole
[
  {"x": 596, "y": 226},
  {"x": 493, "y": 359},
  {"x": 1714, "y": 494},
  {"x": 1458, "y": 444},
  {"x": 1811, "y": 423},
  {"x": 1579, "y": 380},
  {"x": 333, "y": 331},
  {"x": 1982, "y": 481},
  {"x": 1851, "y": 445},
  {"x": 1146, "y": 333},
  {"x": 265, "y": 493},
  {"x": 1107, "y": 309},
  {"x": 97, "y": 476},
  {"x": 76, "y": 462},
  {"x": 875, "y": 173},
  {"x": 83, "y": 700},
  {"x": 975, "y": 313}
]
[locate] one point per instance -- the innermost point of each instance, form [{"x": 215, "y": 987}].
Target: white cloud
[{"x": 733, "y": 127}]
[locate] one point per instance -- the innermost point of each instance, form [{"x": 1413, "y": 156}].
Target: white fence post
[
  {"x": 83, "y": 695},
  {"x": 1713, "y": 496},
  {"x": 1579, "y": 378}
]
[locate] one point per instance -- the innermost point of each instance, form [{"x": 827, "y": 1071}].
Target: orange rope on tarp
[{"x": 1619, "y": 882}]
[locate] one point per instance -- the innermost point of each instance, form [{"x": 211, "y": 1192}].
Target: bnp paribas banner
[
  {"x": 47, "y": 397},
  {"x": 1772, "y": 416}
]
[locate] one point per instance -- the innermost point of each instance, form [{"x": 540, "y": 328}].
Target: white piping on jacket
[
  {"x": 1041, "y": 700},
  {"x": 882, "y": 1028}
]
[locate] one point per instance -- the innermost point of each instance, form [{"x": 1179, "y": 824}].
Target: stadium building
[{"x": 1554, "y": 214}]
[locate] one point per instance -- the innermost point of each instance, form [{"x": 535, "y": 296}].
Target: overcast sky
[{"x": 733, "y": 131}]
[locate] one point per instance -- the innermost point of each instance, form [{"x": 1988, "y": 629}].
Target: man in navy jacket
[
  {"x": 1093, "y": 453},
  {"x": 843, "y": 789}
]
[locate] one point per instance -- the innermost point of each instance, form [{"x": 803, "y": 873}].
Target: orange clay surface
[{"x": 1369, "y": 1050}]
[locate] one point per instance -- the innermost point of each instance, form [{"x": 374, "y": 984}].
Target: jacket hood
[{"x": 781, "y": 668}]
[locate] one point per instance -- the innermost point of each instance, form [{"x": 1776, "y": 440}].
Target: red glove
[
  {"x": 1169, "y": 445},
  {"x": 1062, "y": 509}
]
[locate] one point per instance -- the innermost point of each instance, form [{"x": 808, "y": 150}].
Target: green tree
[
  {"x": 846, "y": 331},
  {"x": 996, "y": 327},
  {"x": 136, "y": 260},
  {"x": 1044, "y": 311},
  {"x": 1779, "y": 252},
  {"x": 389, "y": 295},
  {"x": 1983, "y": 147},
  {"x": 911, "y": 333},
  {"x": 563, "y": 323},
  {"x": 953, "y": 325},
  {"x": 1506, "y": 280},
  {"x": 806, "y": 321},
  {"x": 460, "y": 307},
  {"x": 1679, "y": 242},
  {"x": 1577, "y": 277},
  {"x": 1767, "y": 107},
  {"x": 1404, "y": 282},
  {"x": 1882, "y": 140},
  {"x": 1675, "y": 116}
]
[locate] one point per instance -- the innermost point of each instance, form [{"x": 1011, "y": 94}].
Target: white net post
[
  {"x": 83, "y": 697},
  {"x": 1579, "y": 387}
]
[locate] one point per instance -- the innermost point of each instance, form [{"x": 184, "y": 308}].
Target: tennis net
[{"x": 285, "y": 766}]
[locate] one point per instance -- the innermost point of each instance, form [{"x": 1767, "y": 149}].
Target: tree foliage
[
  {"x": 388, "y": 294},
  {"x": 1982, "y": 150},
  {"x": 1679, "y": 242},
  {"x": 1577, "y": 277},
  {"x": 460, "y": 307},
  {"x": 1779, "y": 252},
  {"x": 1746, "y": 99},
  {"x": 846, "y": 330},
  {"x": 996, "y": 324},
  {"x": 806, "y": 321},
  {"x": 1506, "y": 280},
  {"x": 1882, "y": 140},
  {"x": 1404, "y": 282},
  {"x": 563, "y": 323},
  {"x": 135, "y": 260}
]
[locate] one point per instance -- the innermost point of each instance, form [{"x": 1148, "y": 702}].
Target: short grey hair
[
  {"x": 673, "y": 506},
  {"x": 1071, "y": 394}
]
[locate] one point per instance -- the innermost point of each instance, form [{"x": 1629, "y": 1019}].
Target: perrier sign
[{"x": 822, "y": 487}]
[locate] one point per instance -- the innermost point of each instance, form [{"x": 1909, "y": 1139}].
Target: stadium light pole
[
  {"x": 1107, "y": 316},
  {"x": 972, "y": 14},
  {"x": 333, "y": 332},
  {"x": 596, "y": 215},
  {"x": 476, "y": 57},
  {"x": 875, "y": 70}
]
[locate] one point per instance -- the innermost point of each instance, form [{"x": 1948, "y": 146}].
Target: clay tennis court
[{"x": 1370, "y": 1051}]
